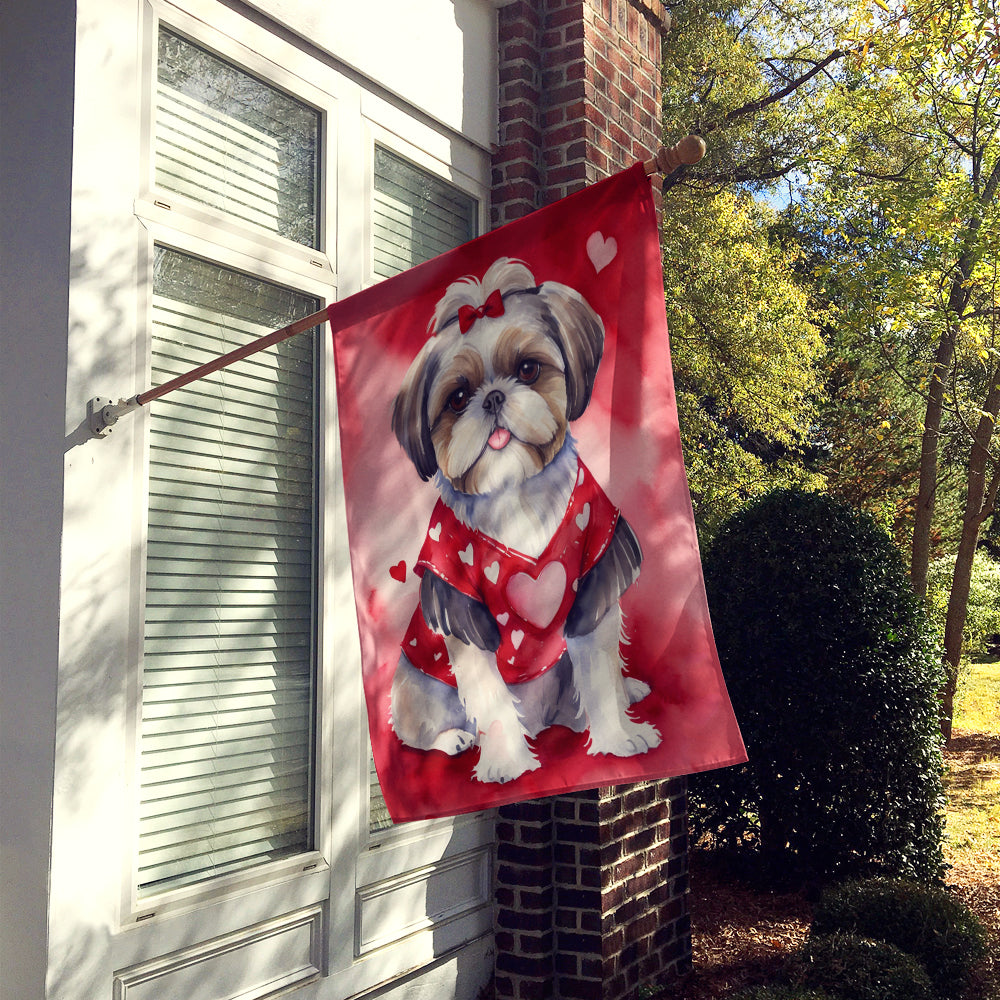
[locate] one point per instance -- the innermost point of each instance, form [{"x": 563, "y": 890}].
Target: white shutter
[
  {"x": 228, "y": 661},
  {"x": 415, "y": 216}
]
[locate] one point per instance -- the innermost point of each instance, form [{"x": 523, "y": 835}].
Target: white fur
[
  {"x": 523, "y": 517},
  {"x": 601, "y": 687},
  {"x": 504, "y": 753}
]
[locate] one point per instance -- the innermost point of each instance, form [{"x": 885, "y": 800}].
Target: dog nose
[{"x": 493, "y": 401}]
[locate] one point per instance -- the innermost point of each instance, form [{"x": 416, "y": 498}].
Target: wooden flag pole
[
  {"x": 687, "y": 152},
  {"x": 103, "y": 413}
]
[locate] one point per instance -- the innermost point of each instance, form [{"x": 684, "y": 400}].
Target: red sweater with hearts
[{"x": 528, "y": 598}]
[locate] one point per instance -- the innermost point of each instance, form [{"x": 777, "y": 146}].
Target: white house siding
[
  {"x": 409, "y": 912},
  {"x": 36, "y": 117}
]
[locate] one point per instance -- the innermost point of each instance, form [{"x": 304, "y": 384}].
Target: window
[
  {"x": 229, "y": 647},
  {"x": 252, "y": 807},
  {"x": 228, "y": 679},
  {"x": 416, "y": 215},
  {"x": 227, "y": 140}
]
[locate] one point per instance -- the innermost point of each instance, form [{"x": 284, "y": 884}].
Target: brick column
[{"x": 591, "y": 889}]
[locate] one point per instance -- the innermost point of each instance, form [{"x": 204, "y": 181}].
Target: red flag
[{"x": 526, "y": 570}]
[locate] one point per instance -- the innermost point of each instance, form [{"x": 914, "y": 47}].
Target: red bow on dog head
[{"x": 467, "y": 315}]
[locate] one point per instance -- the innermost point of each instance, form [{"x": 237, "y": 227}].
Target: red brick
[
  {"x": 575, "y": 988},
  {"x": 535, "y": 899},
  {"x": 518, "y": 111},
  {"x": 575, "y": 941},
  {"x": 518, "y": 49},
  {"x": 521, "y": 91},
  {"x": 521, "y": 130},
  {"x": 567, "y": 175}
]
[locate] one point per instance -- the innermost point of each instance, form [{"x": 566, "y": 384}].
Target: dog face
[{"x": 488, "y": 400}]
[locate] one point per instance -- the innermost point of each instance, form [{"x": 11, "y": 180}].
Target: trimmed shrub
[
  {"x": 857, "y": 968},
  {"x": 924, "y": 921},
  {"x": 833, "y": 672}
]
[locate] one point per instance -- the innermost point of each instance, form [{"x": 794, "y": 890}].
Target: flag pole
[
  {"x": 687, "y": 152},
  {"x": 103, "y": 413}
]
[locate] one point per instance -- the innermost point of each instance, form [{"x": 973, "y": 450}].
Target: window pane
[
  {"x": 228, "y": 658},
  {"x": 416, "y": 217},
  {"x": 228, "y": 140}
]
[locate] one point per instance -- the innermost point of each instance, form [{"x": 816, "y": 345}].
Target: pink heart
[
  {"x": 601, "y": 251},
  {"x": 537, "y": 599}
]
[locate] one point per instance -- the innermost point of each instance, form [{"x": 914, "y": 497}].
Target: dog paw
[
  {"x": 501, "y": 768},
  {"x": 453, "y": 741},
  {"x": 635, "y": 689},
  {"x": 632, "y": 739}
]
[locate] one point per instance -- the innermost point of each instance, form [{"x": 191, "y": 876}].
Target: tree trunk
[
  {"x": 980, "y": 499},
  {"x": 920, "y": 553},
  {"x": 958, "y": 299}
]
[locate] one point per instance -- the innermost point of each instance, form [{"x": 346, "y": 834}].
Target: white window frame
[{"x": 350, "y": 873}]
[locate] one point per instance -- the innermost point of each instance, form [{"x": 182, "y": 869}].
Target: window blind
[
  {"x": 415, "y": 216},
  {"x": 228, "y": 140},
  {"x": 228, "y": 686}
]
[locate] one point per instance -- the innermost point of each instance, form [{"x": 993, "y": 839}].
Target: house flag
[{"x": 525, "y": 566}]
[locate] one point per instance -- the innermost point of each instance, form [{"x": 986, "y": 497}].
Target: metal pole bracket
[{"x": 103, "y": 413}]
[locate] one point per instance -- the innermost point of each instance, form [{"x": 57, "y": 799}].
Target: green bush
[
  {"x": 925, "y": 922},
  {"x": 833, "y": 672},
  {"x": 856, "y": 968}
]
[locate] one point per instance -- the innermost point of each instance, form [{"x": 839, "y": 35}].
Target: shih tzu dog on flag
[{"x": 518, "y": 625}]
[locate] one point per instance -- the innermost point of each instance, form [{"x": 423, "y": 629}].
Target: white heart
[
  {"x": 516, "y": 638},
  {"x": 576, "y": 586},
  {"x": 437, "y": 656},
  {"x": 466, "y": 554},
  {"x": 503, "y": 618},
  {"x": 583, "y": 518},
  {"x": 580, "y": 477},
  {"x": 492, "y": 572},
  {"x": 601, "y": 251},
  {"x": 413, "y": 643},
  {"x": 435, "y": 532}
]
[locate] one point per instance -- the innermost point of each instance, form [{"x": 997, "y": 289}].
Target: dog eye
[
  {"x": 528, "y": 371},
  {"x": 459, "y": 399}
]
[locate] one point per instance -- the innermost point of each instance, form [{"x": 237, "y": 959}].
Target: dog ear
[
  {"x": 410, "y": 422},
  {"x": 579, "y": 332}
]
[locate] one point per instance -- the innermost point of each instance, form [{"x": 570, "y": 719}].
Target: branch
[{"x": 754, "y": 106}]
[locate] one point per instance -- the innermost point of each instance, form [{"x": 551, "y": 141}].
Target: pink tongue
[{"x": 499, "y": 438}]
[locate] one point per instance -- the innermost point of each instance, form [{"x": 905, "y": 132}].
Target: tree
[
  {"x": 914, "y": 187},
  {"x": 746, "y": 76},
  {"x": 746, "y": 355},
  {"x": 746, "y": 351},
  {"x": 879, "y": 123}
]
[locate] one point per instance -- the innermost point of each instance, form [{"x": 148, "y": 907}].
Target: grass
[
  {"x": 972, "y": 848},
  {"x": 973, "y": 782},
  {"x": 978, "y": 698}
]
